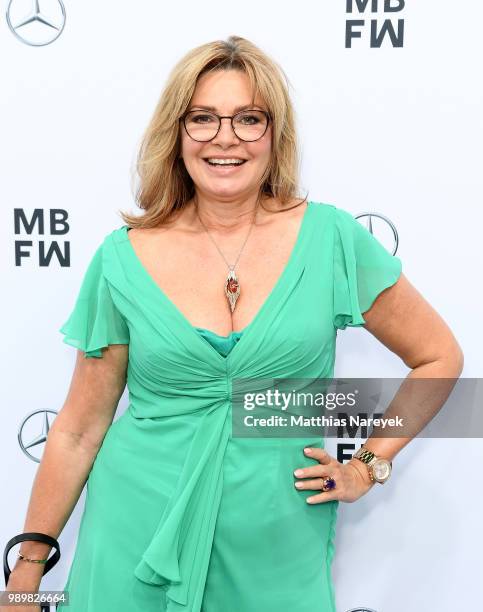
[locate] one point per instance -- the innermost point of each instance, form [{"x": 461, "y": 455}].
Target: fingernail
[
  {"x": 298, "y": 484},
  {"x": 309, "y": 499},
  {"x": 308, "y": 450},
  {"x": 299, "y": 472}
]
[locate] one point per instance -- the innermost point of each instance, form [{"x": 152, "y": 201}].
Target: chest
[
  {"x": 190, "y": 270},
  {"x": 286, "y": 315}
]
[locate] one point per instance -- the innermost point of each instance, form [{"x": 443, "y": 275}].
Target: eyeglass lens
[{"x": 248, "y": 125}]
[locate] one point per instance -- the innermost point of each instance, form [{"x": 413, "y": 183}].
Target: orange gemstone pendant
[{"x": 232, "y": 288}]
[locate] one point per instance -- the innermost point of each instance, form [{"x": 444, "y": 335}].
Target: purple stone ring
[{"x": 328, "y": 484}]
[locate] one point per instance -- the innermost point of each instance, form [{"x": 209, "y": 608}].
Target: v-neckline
[{"x": 248, "y": 328}]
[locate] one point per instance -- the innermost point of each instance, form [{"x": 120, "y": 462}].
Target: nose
[{"x": 226, "y": 134}]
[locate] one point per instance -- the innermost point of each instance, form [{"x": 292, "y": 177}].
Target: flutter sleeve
[
  {"x": 363, "y": 268},
  {"x": 95, "y": 322}
]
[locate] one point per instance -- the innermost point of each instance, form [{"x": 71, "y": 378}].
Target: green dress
[{"x": 179, "y": 514}]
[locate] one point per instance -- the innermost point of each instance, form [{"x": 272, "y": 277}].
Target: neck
[{"x": 225, "y": 216}]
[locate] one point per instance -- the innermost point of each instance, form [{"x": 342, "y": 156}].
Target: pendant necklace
[{"x": 232, "y": 284}]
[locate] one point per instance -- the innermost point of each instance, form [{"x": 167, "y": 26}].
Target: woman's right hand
[{"x": 25, "y": 577}]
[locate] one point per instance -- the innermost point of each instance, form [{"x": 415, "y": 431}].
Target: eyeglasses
[{"x": 248, "y": 125}]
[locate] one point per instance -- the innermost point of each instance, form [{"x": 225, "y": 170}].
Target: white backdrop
[{"x": 394, "y": 130}]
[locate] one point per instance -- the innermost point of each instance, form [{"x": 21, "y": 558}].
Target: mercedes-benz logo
[
  {"x": 387, "y": 222},
  {"x": 38, "y": 421},
  {"x": 33, "y": 26}
]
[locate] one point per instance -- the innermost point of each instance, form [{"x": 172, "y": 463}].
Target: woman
[{"x": 226, "y": 274}]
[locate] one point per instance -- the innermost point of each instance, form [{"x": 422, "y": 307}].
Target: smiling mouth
[{"x": 225, "y": 165}]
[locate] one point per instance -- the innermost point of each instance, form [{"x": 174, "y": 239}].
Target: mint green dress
[{"x": 180, "y": 515}]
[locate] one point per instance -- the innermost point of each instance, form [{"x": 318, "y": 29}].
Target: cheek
[
  {"x": 260, "y": 150},
  {"x": 189, "y": 148}
]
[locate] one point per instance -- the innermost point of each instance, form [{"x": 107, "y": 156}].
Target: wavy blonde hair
[{"x": 165, "y": 185}]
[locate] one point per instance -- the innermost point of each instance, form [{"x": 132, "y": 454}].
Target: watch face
[{"x": 381, "y": 470}]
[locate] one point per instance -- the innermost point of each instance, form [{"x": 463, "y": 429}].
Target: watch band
[{"x": 365, "y": 455}]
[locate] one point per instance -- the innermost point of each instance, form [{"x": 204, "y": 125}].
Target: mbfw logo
[
  {"x": 375, "y": 29},
  {"x": 36, "y": 23},
  {"x": 33, "y": 432},
  {"x": 42, "y": 249}
]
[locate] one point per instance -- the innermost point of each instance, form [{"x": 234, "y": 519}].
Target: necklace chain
[
  {"x": 230, "y": 266},
  {"x": 232, "y": 285}
]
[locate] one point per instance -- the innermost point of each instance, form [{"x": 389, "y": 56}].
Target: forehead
[{"x": 224, "y": 90}]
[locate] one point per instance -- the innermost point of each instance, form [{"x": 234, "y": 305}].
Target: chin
[
  {"x": 221, "y": 190},
  {"x": 225, "y": 192}
]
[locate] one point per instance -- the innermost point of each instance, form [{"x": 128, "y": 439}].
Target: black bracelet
[{"x": 37, "y": 537}]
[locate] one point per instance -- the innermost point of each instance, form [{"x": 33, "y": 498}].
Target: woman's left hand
[{"x": 351, "y": 480}]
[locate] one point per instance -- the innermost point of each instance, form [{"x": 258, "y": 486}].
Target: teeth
[{"x": 214, "y": 160}]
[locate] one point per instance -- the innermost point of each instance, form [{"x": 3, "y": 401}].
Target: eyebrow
[{"x": 236, "y": 110}]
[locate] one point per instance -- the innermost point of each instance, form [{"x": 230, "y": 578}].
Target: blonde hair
[{"x": 165, "y": 185}]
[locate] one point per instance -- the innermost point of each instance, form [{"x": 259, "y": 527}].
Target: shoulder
[
  {"x": 118, "y": 234},
  {"x": 331, "y": 209},
  {"x": 112, "y": 242},
  {"x": 114, "y": 236},
  {"x": 340, "y": 217},
  {"x": 343, "y": 220},
  {"x": 107, "y": 246},
  {"x": 329, "y": 213},
  {"x": 323, "y": 208},
  {"x": 341, "y": 224}
]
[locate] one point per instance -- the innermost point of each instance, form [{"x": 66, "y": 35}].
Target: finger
[
  {"x": 316, "y": 471},
  {"x": 314, "y": 484},
  {"x": 322, "y": 497},
  {"x": 320, "y": 454},
  {"x": 319, "y": 469}
]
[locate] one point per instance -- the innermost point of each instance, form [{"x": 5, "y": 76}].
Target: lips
[
  {"x": 228, "y": 165},
  {"x": 225, "y": 159}
]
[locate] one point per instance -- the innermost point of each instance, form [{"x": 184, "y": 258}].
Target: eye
[
  {"x": 248, "y": 119},
  {"x": 200, "y": 117}
]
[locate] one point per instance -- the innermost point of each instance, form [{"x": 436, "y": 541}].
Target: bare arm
[
  {"x": 71, "y": 448},
  {"x": 410, "y": 327},
  {"x": 407, "y": 325}
]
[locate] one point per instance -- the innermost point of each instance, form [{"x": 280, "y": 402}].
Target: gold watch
[{"x": 379, "y": 469}]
